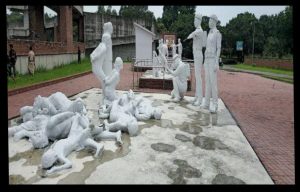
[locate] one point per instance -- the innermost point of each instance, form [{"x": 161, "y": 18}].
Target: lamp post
[{"x": 253, "y": 40}]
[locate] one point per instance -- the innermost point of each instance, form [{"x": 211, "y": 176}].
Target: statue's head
[
  {"x": 108, "y": 28},
  {"x": 118, "y": 63},
  {"x": 130, "y": 94},
  {"x": 179, "y": 40},
  {"x": 197, "y": 20},
  {"x": 176, "y": 60},
  {"x": 49, "y": 158},
  {"x": 40, "y": 106},
  {"x": 78, "y": 106},
  {"x": 157, "y": 113},
  {"x": 213, "y": 20}
]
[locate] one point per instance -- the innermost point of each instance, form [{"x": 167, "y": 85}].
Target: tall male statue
[
  {"x": 180, "y": 76},
  {"x": 179, "y": 47},
  {"x": 211, "y": 64},
  {"x": 199, "y": 41},
  {"x": 101, "y": 57},
  {"x": 162, "y": 53}
]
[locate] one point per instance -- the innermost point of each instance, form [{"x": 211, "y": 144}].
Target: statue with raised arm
[
  {"x": 211, "y": 64},
  {"x": 179, "y": 47},
  {"x": 199, "y": 41},
  {"x": 180, "y": 77}
]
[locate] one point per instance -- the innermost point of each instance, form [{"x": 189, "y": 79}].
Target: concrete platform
[
  {"x": 187, "y": 146},
  {"x": 147, "y": 80}
]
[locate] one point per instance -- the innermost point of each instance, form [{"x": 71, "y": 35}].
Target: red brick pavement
[{"x": 263, "y": 108}]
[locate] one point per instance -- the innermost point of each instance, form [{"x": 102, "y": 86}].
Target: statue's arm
[
  {"x": 59, "y": 118},
  {"x": 66, "y": 165},
  {"x": 219, "y": 41},
  {"x": 112, "y": 78}
]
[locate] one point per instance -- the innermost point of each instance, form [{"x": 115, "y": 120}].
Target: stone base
[
  {"x": 187, "y": 146},
  {"x": 149, "y": 81}
]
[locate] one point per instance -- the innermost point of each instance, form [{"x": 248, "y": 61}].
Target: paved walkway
[
  {"x": 263, "y": 108},
  {"x": 230, "y": 68}
]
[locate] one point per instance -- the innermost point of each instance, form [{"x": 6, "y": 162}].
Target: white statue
[
  {"x": 173, "y": 48},
  {"x": 199, "y": 41},
  {"x": 145, "y": 111},
  {"x": 59, "y": 151},
  {"x": 211, "y": 64},
  {"x": 111, "y": 81},
  {"x": 121, "y": 117},
  {"x": 163, "y": 53},
  {"x": 101, "y": 57},
  {"x": 179, "y": 46},
  {"x": 45, "y": 126},
  {"x": 181, "y": 74},
  {"x": 156, "y": 64}
]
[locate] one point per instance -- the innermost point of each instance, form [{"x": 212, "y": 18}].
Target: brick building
[{"x": 66, "y": 32}]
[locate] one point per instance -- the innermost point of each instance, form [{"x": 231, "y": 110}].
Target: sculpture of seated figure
[
  {"x": 181, "y": 73},
  {"x": 145, "y": 111},
  {"x": 79, "y": 137}
]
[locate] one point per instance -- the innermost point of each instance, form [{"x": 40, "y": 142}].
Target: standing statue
[
  {"x": 101, "y": 57},
  {"x": 173, "y": 48},
  {"x": 199, "y": 41},
  {"x": 111, "y": 81},
  {"x": 211, "y": 64},
  {"x": 179, "y": 46},
  {"x": 156, "y": 64},
  {"x": 162, "y": 53},
  {"x": 180, "y": 77}
]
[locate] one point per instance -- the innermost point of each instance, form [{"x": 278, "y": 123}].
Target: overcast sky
[{"x": 224, "y": 13}]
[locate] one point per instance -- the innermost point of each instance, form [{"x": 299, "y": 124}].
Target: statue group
[
  {"x": 212, "y": 43},
  {"x": 65, "y": 122}
]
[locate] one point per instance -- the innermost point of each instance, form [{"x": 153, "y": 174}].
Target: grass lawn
[
  {"x": 263, "y": 69},
  {"x": 43, "y": 75},
  {"x": 291, "y": 81}
]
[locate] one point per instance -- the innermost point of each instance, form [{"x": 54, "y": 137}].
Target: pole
[{"x": 253, "y": 42}]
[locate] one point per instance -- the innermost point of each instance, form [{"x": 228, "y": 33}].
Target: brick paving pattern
[{"x": 263, "y": 108}]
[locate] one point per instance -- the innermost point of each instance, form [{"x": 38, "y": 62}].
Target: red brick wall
[
  {"x": 44, "y": 47},
  {"x": 275, "y": 63}
]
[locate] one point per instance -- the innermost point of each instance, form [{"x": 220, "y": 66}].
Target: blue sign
[{"x": 239, "y": 45}]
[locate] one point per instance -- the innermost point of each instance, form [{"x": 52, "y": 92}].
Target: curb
[{"x": 43, "y": 84}]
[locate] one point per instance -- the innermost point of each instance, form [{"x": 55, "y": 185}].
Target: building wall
[
  {"x": 143, "y": 42},
  {"x": 46, "y": 61},
  {"x": 125, "y": 51}
]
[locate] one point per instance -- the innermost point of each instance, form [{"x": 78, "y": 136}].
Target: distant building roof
[{"x": 143, "y": 28}]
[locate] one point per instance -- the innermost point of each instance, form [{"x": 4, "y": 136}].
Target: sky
[{"x": 224, "y": 13}]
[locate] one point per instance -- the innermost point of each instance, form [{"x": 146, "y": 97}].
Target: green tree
[
  {"x": 114, "y": 12},
  {"x": 108, "y": 9},
  {"x": 101, "y": 9}
]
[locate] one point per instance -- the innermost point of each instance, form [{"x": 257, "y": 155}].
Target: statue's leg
[
  {"x": 111, "y": 136},
  {"x": 207, "y": 86},
  {"x": 91, "y": 143},
  {"x": 198, "y": 71},
  {"x": 116, "y": 126},
  {"x": 175, "y": 89},
  {"x": 214, "y": 89},
  {"x": 21, "y": 134}
]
